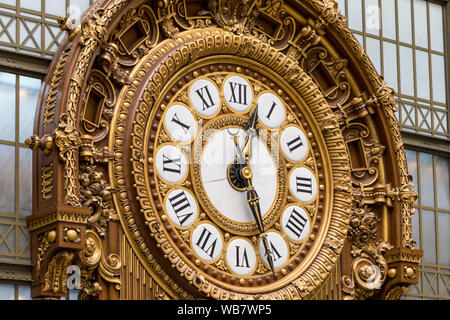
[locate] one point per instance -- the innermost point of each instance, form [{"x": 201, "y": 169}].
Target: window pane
[
  {"x": 78, "y": 5},
  {"x": 422, "y": 74},
  {"x": 8, "y": 108},
  {"x": 372, "y": 12},
  {"x": 429, "y": 237},
  {"x": 406, "y": 71},
  {"x": 24, "y": 293},
  {"x": 31, "y": 4},
  {"x": 57, "y": 8},
  {"x": 28, "y": 95},
  {"x": 388, "y": 16},
  {"x": 426, "y": 179},
  {"x": 7, "y": 165},
  {"x": 341, "y": 6},
  {"x": 415, "y": 225},
  {"x": 420, "y": 24},
  {"x": 436, "y": 27},
  {"x": 404, "y": 21},
  {"x": 443, "y": 184},
  {"x": 355, "y": 15},
  {"x": 390, "y": 65},
  {"x": 6, "y": 291},
  {"x": 438, "y": 72},
  {"x": 25, "y": 181},
  {"x": 373, "y": 50},
  {"x": 411, "y": 158},
  {"x": 444, "y": 238}
]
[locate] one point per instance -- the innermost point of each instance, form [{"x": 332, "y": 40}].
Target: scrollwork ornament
[{"x": 369, "y": 267}]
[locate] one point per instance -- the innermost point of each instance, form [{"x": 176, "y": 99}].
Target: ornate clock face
[{"x": 238, "y": 173}]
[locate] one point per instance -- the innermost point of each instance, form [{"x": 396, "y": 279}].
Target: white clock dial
[
  {"x": 296, "y": 223},
  {"x": 238, "y": 93},
  {"x": 180, "y": 123},
  {"x": 303, "y": 184},
  {"x": 207, "y": 242},
  {"x": 241, "y": 257},
  {"x": 219, "y": 152},
  {"x": 294, "y": 144},
  {"x": 271, "y": 110},
  {"x": 204, "y": 97},
  {"x": 171, "y": 164},
  {"x": 278, "y": 248},
  {"x": 181, "y": 207}
]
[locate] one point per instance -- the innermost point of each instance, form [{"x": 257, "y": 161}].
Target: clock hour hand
[{"x": 252, "y": 131}]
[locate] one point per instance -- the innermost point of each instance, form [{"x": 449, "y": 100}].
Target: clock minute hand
[{"x": 253, "y": 201}]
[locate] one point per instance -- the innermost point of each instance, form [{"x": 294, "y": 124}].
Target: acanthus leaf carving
[{"x": 369, "y": 267}]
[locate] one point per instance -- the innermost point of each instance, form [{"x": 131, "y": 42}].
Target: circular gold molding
[{"x": 172, "y": 56}]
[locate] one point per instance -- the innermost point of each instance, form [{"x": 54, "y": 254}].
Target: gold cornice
[{"x": 59, "y": 216}]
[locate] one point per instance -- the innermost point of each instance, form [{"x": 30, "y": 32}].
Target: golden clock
[{"x": 234, "y": 175}]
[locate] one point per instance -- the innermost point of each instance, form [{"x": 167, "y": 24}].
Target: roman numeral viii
[
  {"x": 207, "y": 243},
  {"x": 296, "y": 223},
  {"x": 179, "y": 202}
]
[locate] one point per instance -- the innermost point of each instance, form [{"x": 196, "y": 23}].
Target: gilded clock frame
[{"x": 63, "y": 228}]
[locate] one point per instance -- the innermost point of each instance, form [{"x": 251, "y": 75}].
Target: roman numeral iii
[{"x": 304, "y": 185}]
